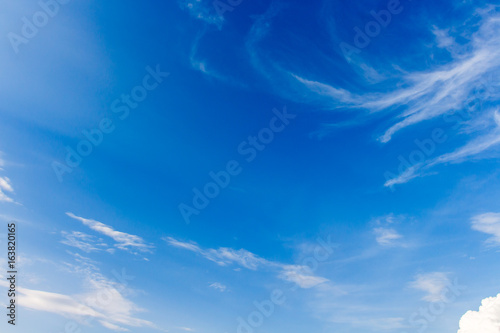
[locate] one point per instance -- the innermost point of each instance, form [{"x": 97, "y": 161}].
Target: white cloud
[
  {"x": 188, "y": 246},
  {"x": 404, "y": 177},
  {"x": 86, "y": 243},
  {"x": 298, "y": 274},
  {"x": 301, "y": 276},
  {"x": 385, "y": 230},
  {"x": 241, "y": 257},
  {"x": 486, "y": 320},
  {"x": 433, "y": 284},
  {"x": 319, "y": 88},
  {"x": 428, "y": 94},
  {"x": 488, "y": 223},
  {"x": 202, "y": 10},
  {"x": 420, "y": 95},
  {"x": 203, "y": 66},
  {"x": 443, "y": 38},
  {"x": 2, "y": 161},
  {"x": 389, "y": 219},
  {"x": 386, "y": 236},
  {"x": 103, "y": 300},
  {"x": 124, "y": 241},
  {"x": 223, "y": 256},
  {"x": 472, "y": 149},
  {"x": 218, "y": 286},
  {"x": 5, "y": 186},
  {"x": 448, "y": 89},
  {"x": 54, "y": 302}
]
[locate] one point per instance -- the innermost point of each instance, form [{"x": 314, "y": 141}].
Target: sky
[{"x": 251, "y": 166}]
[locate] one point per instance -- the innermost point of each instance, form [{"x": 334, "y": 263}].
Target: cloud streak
[
  {"x": 386, "y": 236},
  {"x": 202, "y": 10},
  {"x": 123, "y": 240},
  {"x": 218, "y": 286},
  {"x": 103, "y": 301},
  {"x": 433, "y": 284},
  {"x": 420, "y": 95},
  {"x": 472, "y": 149},
  {"x": 297, "y": 274},
  {"x": 488, "y": 223},
  {"x": 5, "y": 186},
  {"x": 82, "y": 241}
]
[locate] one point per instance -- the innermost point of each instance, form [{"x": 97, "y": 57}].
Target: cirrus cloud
[{"x": 124, "y": 241}]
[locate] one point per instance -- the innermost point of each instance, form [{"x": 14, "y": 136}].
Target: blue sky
[{"x": 252, "y": 166}]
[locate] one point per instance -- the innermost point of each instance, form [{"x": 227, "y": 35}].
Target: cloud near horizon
[
  {"x": 485, "y": 320},
  {"x": 103, "y": 300}
]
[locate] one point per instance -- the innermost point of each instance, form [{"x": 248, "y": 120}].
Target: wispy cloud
[
  {"x": 472, "y": 149},
  {"x": 5, "y": 183},
  {"x": 200, "y": 64},
  {"x": 123, "y": 240},
  {"x": 424, "y": 95},
  {"x": 386, "y": 236},
  {"x": 113, "y": 327},
  {"x": 218, "y": 286},
  {"x": 301, "y": 275},
  {"x": 433, "y": 284},
  {"x": 404, "y": 177},
  {"x": 85, "y": 242},
  {"x": 103, "y": 300},
  {"x": 476, "y": 146},
  {"x": 385, "y": 230},
  {"x": 2, "y": 161},
  {"x": 5, "y": 186},
  {"x": 338, "y": 94},
  {"x": 420, "y": 96},
  {"x": 223, "y": 256},
  {"x": 488, "y": 223},
  {"x": 443, "y": 38},
  {"x": 433, "y": 93},
  {"x": 203, "y": 10}
]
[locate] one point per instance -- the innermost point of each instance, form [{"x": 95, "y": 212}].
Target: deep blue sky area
[{"x": 251, "y": 166}]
